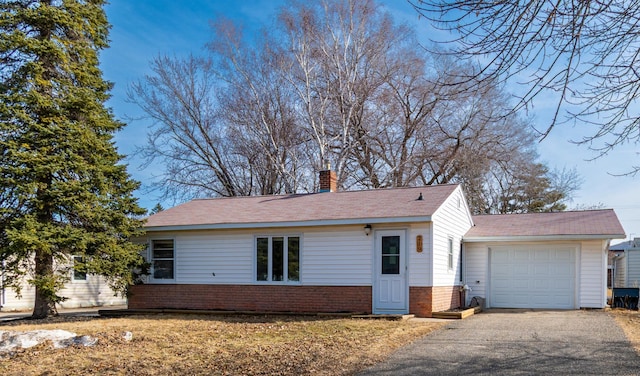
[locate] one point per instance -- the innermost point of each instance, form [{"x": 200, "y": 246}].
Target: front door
[{"x": 390, "y": 285}]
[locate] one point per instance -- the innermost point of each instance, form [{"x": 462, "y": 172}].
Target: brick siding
[
  {"x": 423, "y": 301},
  {"x": 260, "y": 298},
  {"x": 278, "y": 298}
]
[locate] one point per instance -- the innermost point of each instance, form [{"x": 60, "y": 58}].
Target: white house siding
[
  {"x": 420, "y": 262},
  {"x": 593, "y": 274},
  {"x": 620, "y": 271},
  {"x": 633, "y": 267},
  {"x": 330, "y": 256},
  {"x": 591, "y": 269},
  {"x": 10, "y": 302},
  {"x": 337, "y": 257},
  {"x": 90, "y": 293},
  {"x": 476, "y": 258},
  {"x": 451, "y": 220},
  {"x": 205, "y": 258}
]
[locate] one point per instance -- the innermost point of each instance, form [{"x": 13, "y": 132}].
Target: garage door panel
[
  {"x": 541, "y": 255},
  {"x": 542, "y": 270},
  {"x": 518, "y": 269},
  {"x": 519, "y": 256},
  {"x": 541, "y": 284},
  {"x": 533, "y": 277}
]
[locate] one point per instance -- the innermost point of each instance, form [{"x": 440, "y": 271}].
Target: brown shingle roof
[
  {"x": 570, "y": 223},
  {"x": 330, "y": 206}
]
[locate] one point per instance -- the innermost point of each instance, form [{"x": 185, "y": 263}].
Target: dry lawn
[
  {"x": 629, "y": 321},
  {"x": 214, "y": 345}
]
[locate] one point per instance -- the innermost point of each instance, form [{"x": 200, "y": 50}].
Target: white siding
[
  {"x": 475, "y": 269},
  {"x": 620, "y": 270},
  {"x": 329, "y": 256},
  {"x": 200, "y": 256},
  {"x": 10, "y": 302},
  {"x": 420, "y": 262},
  {"x": 591, "y": 269},
  {"x": 337, "y": 257},
  {"x": 451, "y": 220},
  {"x": 593, "y": 274},
  {"x": 633, "y": 267},
  {"x": 90, "y": 293}
]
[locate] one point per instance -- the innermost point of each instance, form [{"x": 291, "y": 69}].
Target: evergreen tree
[{"x": 63, "y": 190}]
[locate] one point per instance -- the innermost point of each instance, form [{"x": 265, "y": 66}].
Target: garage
[{"x": 533, "y": 277}]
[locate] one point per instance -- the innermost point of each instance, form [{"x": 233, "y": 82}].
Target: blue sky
[{"x": 143, "y": 29}]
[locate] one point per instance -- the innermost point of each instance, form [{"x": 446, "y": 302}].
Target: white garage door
[{"x": 533, "y": 277}]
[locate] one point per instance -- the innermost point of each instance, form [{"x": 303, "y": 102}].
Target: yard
[
  {"x": 629, "y": 321},
  {"x": 214, "y": 345}
]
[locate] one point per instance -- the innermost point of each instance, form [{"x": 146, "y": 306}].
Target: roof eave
[
  {"x": 260, "y": 225},
  {"x": 529, "y": 238}
]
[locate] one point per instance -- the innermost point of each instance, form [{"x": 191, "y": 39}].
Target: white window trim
[
  {"x": 150, "y": 259},
  {"x": 285, "y": 276}
]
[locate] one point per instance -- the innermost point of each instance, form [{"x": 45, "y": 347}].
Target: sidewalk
[{"x": 84, "y": 311}]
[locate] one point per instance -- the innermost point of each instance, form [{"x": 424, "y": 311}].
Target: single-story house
[
  {"x": 401, "y": 250},
  {"x": 82, "y": 290},
  {"x": 625, "y": 264}
]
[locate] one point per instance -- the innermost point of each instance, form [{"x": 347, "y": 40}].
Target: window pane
[
  {"x": 293, "y": 269},
  {"x": 163, "y": 249},
  {"x": 262, "y": 258},
  {"x": 390, "y": 264},
  {"x": 390, "y": 255},
  {"x": 163, "y": 269},
  {"x": 163, "y": 243},
  {"x": 163, "y": 253},
  {"x": 277, "y": 252},
  {"x": 390, "y": 245}
]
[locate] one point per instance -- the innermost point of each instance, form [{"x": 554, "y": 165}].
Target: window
[
  {"x": 162, "y": 255},
  {"x": 390, "y": 255},
  {"x": 278, "y": 258},
  {"x": 461, "y": 270},
  {"x": 450, "y": 254},
  {"x": 78, "y": 275}
]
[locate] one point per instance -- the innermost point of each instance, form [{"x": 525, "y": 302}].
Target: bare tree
[
  {"x": 585, "y": 53},
  {"x": 259, "y": 110},
  {"x": 337, "y": 48},
  {"x": 340, "y": 82},
  {"x": 187, "y": 134}
]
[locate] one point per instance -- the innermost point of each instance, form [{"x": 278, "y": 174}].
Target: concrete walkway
[
  {"x": 85, "y": 311},
  {"x": 519, "y": 342}
]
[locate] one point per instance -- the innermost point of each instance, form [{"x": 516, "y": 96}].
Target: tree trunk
[{"x": 44, "y": 305}]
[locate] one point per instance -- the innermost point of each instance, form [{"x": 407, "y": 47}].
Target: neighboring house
[
  {"x": 82, "y": 290},
  {"x": 625, "y": 264},
  {"x": 403, "y": 250}
]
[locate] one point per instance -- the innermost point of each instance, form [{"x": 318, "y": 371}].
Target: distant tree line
[{"x": 338, "y": 82}]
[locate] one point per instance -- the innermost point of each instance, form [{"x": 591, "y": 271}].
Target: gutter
[
  {"x": 532, "y": 238},
  {"x": 314, "y": 223}
]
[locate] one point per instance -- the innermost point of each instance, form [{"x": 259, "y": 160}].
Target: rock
[{"x": 10, "y": 341}]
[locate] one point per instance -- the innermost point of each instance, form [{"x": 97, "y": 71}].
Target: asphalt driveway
[{"x": 519, "y": 342}]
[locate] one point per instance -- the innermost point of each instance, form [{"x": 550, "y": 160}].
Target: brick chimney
[{"x": 328, "y": 180}]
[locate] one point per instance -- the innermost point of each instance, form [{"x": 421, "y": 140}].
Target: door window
[{"x": 390, "y": 255}]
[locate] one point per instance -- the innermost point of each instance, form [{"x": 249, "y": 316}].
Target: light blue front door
[{"x": 390, "y": 284}]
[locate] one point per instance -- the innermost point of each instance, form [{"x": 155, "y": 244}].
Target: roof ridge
[{"x": 314, "y": 193}]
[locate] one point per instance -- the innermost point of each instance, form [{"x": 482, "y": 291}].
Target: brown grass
[
  {"x": 629, "y": 321},
  {"x": 212, "y": 345}
]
